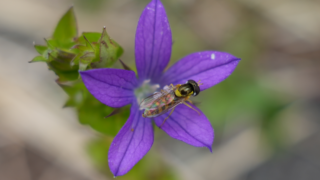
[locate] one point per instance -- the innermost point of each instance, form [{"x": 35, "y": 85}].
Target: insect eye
[{"x": 196, "y": 89}]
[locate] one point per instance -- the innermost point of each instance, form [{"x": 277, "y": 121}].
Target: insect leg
[
  {"x": 189, "y": 101},
  {"x": 191, "y": 107},
  {"x": 199, "y": 83},
  {"x": 167, "y": 117}
]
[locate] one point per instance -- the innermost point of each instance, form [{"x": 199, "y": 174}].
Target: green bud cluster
[{"x": 66, "y": 54}]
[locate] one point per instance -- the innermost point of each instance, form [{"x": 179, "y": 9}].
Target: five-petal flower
[{"x": 117, "y": 88}]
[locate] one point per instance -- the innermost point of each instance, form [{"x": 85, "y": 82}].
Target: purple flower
[{"x": 117, "y": 88}]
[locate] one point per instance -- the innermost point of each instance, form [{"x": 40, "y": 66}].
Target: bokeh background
[{"x": 265, "y": 115}]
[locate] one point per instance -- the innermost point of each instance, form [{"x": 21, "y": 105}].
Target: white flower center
[{"x": 145, "y": 90}]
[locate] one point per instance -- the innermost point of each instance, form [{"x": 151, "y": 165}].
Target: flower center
[{"x": 145, "y": 90}]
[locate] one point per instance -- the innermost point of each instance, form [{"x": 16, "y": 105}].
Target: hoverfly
[{"x": 170, "y": 96}]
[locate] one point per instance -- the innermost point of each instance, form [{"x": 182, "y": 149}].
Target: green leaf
[
  {"x": 93, "y": 113},
  {"x": 65, "y": 55},
  {"x": 51, "y": 43},
  {"x": 119, "y": 50},
  {"x": 38, "y": 59},
  {"x": 85, "y": 55},
  {"x": 109, "y": 51},
  {"x": 65, "y": 76},
  {"x": 76, "y": 92},
  {"x": 66, "y": 30},
  {"x": 41, "y": 49},
  {"x": 98, "y": 151},
  {"x": 85, "y": 60},
  {"x": 92, "y": 36},
  {"x": 95, "y": 50},
  {"x": 60, "y": 63}
]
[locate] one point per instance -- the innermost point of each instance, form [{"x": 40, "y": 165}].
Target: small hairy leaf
[
  {"x": 92, "y": 36},
  {"x": 41, "y": 49},
  {"x": 66, "y": 30},
  {"x": 38, "y": 59},
  {"x": 109, "y": 51}
]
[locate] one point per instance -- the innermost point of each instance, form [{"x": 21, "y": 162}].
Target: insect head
[{"x": 190, "y": 88}]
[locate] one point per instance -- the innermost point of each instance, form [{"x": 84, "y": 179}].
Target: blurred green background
[{"x": 265, "y": 115}]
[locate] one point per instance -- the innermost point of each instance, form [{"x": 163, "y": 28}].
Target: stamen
[{"x": 145, "y": 90}]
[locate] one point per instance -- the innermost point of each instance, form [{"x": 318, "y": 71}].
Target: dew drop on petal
[{"x": 213, "y": 56}]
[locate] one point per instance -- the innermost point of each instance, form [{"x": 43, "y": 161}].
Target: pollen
[{"x": 145, "y": 89}]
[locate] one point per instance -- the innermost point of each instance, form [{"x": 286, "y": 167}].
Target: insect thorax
[{"x": 184, "y": 90}]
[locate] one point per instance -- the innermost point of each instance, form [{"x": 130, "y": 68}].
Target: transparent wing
[
  {"x": 149, "y": 101},
  {"x": 168, "y": 108}
]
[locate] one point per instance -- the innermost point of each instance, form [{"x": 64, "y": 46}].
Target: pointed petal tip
[
  {"x": 211, "y": 67},
  {"x": 129, "y": 146},
  {"x": 153, "y": 41},
  {"x": 186, "y": 125}
]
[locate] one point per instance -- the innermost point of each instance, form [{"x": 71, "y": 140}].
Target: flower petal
[
  {"x": 153, "y": 41},
  {"x": 132, "y": 142},
  {"x": 113, "y": 87},
  {"x": 188, "y": 126},
  {"x": 211, "y": 67}
]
